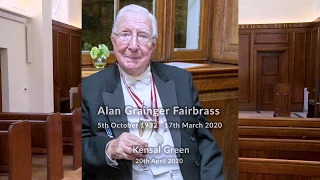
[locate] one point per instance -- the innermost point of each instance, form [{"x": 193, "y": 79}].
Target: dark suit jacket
[{"x": 175, "y": 87}]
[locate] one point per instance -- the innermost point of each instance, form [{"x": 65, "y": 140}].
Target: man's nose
[{"x": 133, "y": 44}]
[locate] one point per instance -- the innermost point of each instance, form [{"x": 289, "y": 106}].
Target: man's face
[{"x": 133, "y": 56}]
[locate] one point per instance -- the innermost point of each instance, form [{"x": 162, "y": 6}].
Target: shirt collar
[{"x": 145, "y": 77}]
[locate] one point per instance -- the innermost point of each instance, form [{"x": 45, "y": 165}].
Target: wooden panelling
[
  {"x": 66, "y": 62},
  {"x": 314, "y": 53},
  {"x": 245, "y": 92},
  {"x": 313, "y": 58},
  {"x": 75, "y": 60},
  {"x": 228, "y": 133},
  {"x": 218, "y": 89},
  {"x": 221, "y": 83},
  {"x": 297, "y": 47},
  {"x": 298, "y": 67},
  {"x": 271, "y": 38},
  {"x": 63, "y": 62},
  {"x": 225, "y": 32},
  {"x": 318, "y": 57}
]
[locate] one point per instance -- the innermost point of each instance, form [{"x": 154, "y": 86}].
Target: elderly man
[{"x": 132, "y": 121}]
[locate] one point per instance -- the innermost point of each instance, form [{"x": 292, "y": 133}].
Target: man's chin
[{"x": 132, "y": 69}]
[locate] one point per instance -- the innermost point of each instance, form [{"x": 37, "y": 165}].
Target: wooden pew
[
  {"x": 290, "y": 149},
  {"x": 71, "y": 134},
  {"x": 15, "y": 150},
  {"x": 279, "y": 122},
  {"x": 46, "y": 138},
  {"x": 276, "y": 169},
  {"x": 279, "y": 132}
]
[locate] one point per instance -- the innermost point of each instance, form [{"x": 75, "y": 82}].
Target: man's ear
[
  {"x": 112, "y": 39},
  {"x": 153, "y": 46}
]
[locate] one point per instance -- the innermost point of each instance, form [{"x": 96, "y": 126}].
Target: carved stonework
[
  {"x": 274, "y": 26},
  {"x": 55, "y": 7}
]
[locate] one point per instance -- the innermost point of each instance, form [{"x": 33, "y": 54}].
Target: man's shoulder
[{"x": 96, "y": 80}]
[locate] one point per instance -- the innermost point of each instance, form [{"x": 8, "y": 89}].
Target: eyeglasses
[{"x": 126, "y": 37}]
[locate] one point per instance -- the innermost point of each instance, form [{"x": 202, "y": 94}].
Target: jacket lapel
[
  {"x": 113, "y": 98},
  {"x": 167, "y": 92}
]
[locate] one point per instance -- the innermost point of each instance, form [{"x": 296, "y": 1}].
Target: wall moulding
[
  {"x": 25, "y": 20},
  {"x": 280, "y": 25},
  {"x": 275, "y": 26}
]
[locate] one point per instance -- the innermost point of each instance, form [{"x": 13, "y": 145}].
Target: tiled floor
[{"x": 269, "y": 114}]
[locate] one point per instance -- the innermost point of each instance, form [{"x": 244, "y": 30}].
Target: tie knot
[
  {"x": 144, "y": 77},
  {"x": 130, "y": 80}
]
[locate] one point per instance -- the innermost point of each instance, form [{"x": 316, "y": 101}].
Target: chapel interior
[{"x": 257, "y": 61}]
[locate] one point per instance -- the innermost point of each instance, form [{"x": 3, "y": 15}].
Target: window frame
[
  {"x": 192, "y": 54},
  {"x": 165, "y": 11}
]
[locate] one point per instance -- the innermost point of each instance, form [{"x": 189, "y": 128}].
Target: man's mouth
[{"x": 132, "y": 57}]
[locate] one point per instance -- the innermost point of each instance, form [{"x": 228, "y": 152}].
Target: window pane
[
  {"x": 97, "y": 22},
  {"x": 187, "y": 24}
]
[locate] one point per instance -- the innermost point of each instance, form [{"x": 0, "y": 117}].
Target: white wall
[
  {"x": 13, "y": 72},
  {"x": 60, "y": 10},
  {"x": 41, "y": 68},
  {"x": 317, "y": 9},
  {"x": 37, "y": 76},
  {"x": 75, "y": 13},
  {"x": 278, "y": 11},
  {"x": 17, "y": 73},
  {"x": 68, "y": 12}
]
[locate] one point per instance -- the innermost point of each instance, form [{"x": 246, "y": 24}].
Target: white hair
[{"x": 137, "y": 9}]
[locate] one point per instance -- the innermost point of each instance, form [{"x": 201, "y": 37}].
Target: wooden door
[
  {"x": 270, "y": 72},
  {"x": 0, "y": 85}
]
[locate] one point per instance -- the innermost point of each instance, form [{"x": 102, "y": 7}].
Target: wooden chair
[
  {"x": 15, "y": 149},
  {"x": 76, "y": 98},
  {"x": 314, "y": 102},
  {"x": 282, "y": 100}
]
